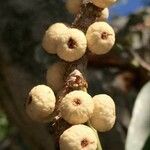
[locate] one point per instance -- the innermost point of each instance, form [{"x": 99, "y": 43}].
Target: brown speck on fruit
[
  {"x": 29, "y": 100},
  {"x": 71, "y": 43},
  {"x": 84, "y": 143},
  {"x": 76, "y": 102}
]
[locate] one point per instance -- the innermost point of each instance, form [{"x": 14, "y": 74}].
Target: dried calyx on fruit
[
  {"x": 100, "y": 37},
  {"x": 104, "y": 115},
  {"x": 52, "y": 36},
  {"x": 41, "y": 103},
  {"x": 78, "y": 137},
  {"x": 55, "y": 76},
  {"x": 72, "y": 46},
  {"x": 73, "y": 6},
  {"x": 103, "y": 3},
  {"x": 76, "y": 81},
  {"x": 76, "y": 107},
  {"x": 103, "y": 15}
]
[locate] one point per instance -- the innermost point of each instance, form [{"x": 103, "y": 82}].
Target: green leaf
[{"x": 139, "y": 129}]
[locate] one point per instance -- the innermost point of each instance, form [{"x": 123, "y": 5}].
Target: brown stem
[{"x": 86, "y": 16}]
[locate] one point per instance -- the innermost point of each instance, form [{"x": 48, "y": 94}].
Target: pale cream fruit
[
  {"x": 73, "y": 6},
  {"x": 78, "y": 137},
  {"x": 103, "y": 15},
  {"x": 103, "y": 3},
  {"x": 41, "y": 103},
  {"x": 100, "y": 37},
  {"x": 52, "y": 36},
  {"x": 72, "y": 45},
  {"x": 55, "y": 76},
  {"x": 104, "y": 115},
  {"x": 77, "y": 107}
]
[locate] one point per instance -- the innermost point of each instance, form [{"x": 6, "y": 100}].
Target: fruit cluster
[
  {"x": 70, "y": 44},
  {"x": 77, "y": 107}
]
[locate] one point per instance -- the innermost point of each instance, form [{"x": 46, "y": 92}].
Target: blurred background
[{"x": 122, "y": 73}]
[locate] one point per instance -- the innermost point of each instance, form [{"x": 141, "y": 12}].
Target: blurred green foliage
[{"x": 4, "y": 126}]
